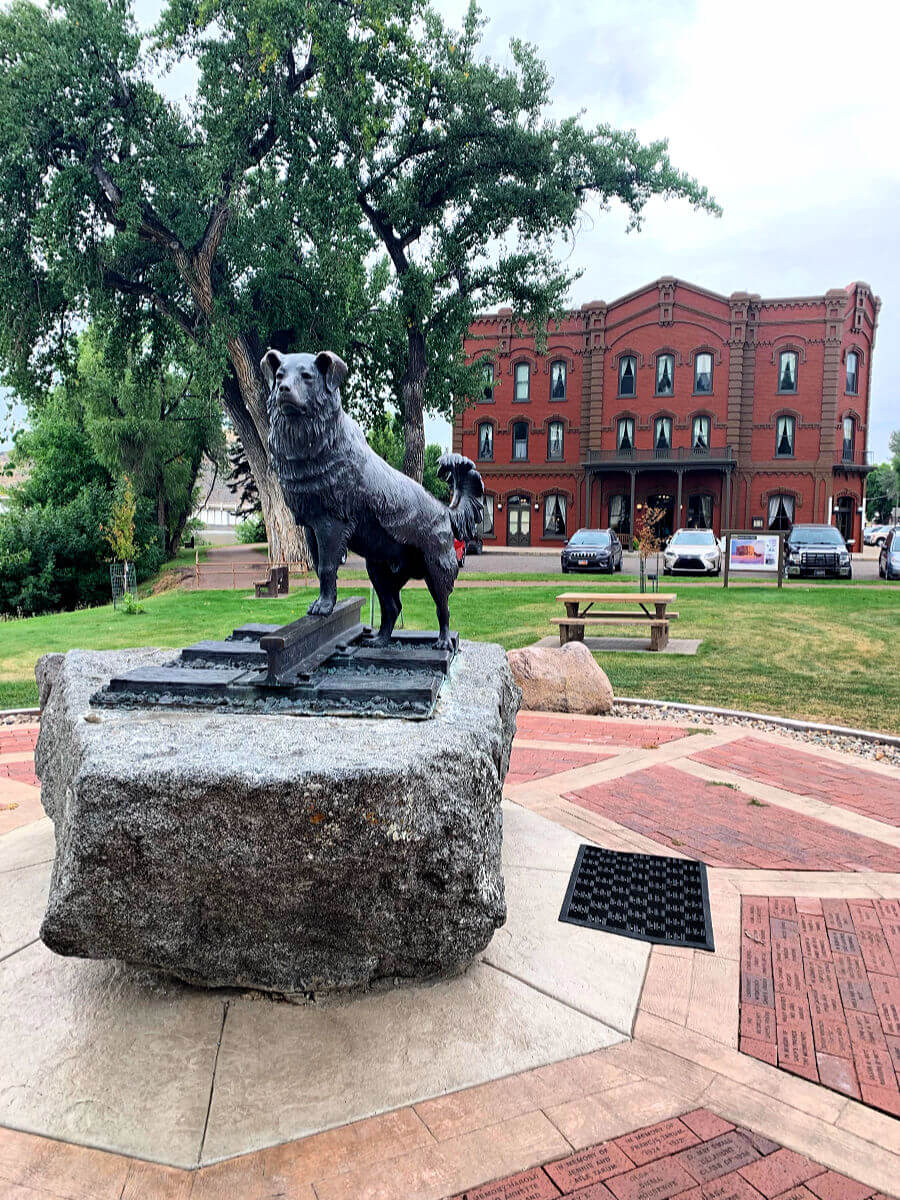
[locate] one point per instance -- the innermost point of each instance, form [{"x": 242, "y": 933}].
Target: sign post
[{"x": 747, "y": 551}]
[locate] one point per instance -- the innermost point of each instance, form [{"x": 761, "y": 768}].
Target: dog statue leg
[
  {"x": 440, "y": 594},
  {"x": 387, "y": 584},
  {"x": 331, "y": 545}
]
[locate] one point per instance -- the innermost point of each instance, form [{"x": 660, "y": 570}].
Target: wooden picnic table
[{"x": 580, "y": 606}]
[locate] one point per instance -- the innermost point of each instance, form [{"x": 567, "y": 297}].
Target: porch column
[
  {"x": 679, "y": 472},
  {"x": 726, "y": 515},
  {"x": 589, "y": 483},
  {"x": 631, "y": 515}
]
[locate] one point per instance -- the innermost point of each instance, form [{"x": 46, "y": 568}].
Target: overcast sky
[{"x": 785, "y": 109}]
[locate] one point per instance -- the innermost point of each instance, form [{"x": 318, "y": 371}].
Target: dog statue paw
[{"x": 320, "y": 607}]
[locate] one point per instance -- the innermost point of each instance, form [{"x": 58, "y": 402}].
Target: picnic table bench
[{"x": 579, "y": 606}]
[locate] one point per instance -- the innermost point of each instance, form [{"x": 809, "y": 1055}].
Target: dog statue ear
[
  {"x": 269, "y": 364},
  {"x": 333, "y": 368}
]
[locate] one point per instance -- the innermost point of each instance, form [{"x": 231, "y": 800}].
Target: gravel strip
[
  {"x": 879, "y": 751},
  {"x": 19, "y": 718}
]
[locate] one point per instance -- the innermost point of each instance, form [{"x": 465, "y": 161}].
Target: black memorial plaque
[{"x": 645, "y": 896}]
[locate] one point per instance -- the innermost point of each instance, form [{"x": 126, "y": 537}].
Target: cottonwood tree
[
  {"x": 120, "y": 207},
  {"x": 320, "y": 130}
]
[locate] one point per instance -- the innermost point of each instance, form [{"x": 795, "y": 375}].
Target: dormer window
[
  {"x": 627, "y": 375},
  {"x": 665, "y": 374},
  {"x": 784, "y": 437},
  {"x": 852, "y": 385},
  {"x": 787, "y": 371},
  {"x": 558, "y": 380},
  {"x": 625, "y": 435},
  {"x": 523, "y": 382},
  {"x": 703, "y": 368}
]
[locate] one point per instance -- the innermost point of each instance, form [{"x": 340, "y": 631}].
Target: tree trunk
[
  {"x": 413, "y": 393},
  {"x": 286, "y": 540}
]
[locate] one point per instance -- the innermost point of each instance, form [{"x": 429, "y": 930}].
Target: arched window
[
  {"x": 700, "y": 434},
  {"x": 627, "y": 375},
  {"x": 665, "y": 374},
  {"x": 555, "y": 515},
  {"x": 558, "y": 380},
  {"x": 662, "y": 434},
  {"x": 520, "y": 441},
  {"x": 852, "y": 385},
  {"x": 523, "y": 382},
  {"x": 625, "y": 435},
  {"x": 787, "y": 371},
  {"x": 487, "y": 519},
  {"x": 703, "y": 371},
  {"x": 487, "y": 392},
  {"x": 485, "y": 440},
  {"x": 555, "y": 435},
  {"x": 849, "y": 446},
  {"x": 781, "y": 511},
  {"x": 785, "y": 428}
]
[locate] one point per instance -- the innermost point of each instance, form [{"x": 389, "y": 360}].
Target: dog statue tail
[{"x": 467, "y": 500}]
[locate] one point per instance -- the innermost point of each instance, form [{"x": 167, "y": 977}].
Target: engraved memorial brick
[
  {"x": 783, "y": 929},
  {"x": 777, "y": 1172},
  {"x": 588, "y": 1166},
  {"x": 757, "y": 989},
  {"x": 837, "y": 915},
  {"x": 758, "y": 1021},
  {"x": 718, "y": 1157},
  {"x": 666, "y": 1137},
  {"x": 875, "y": 952},
  {"x": 783, "y": 906},
  {"x": 528, "y": 1185},
  {"x": 865, "y": 1029},
  {"x": 848, "y": 966},
  {"x": 654, "y": 1181},
  {"x": 886, "y": 994},
  {"x": 730, "y": 1187},
  {"x": 824, "y": 1001},
  {"x": 874, "y": 1066},
  {"x": 843, "y": 942},
  {"x": 831, "y": 1037},
  {"x": 856, "y": 993}
]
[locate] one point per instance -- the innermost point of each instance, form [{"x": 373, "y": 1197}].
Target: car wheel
[
  {"x": 619, "y": 567},
  {"x": 850, "y": 573},
  {"x": 880, "y": 542},
  {"x": 564, "y": 570},
  {"x": 462, "y": 561}
]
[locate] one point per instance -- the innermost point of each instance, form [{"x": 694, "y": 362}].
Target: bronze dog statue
[{"x": 346, "y": 496}]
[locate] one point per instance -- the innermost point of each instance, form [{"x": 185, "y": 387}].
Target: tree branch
[{"x": 167, "y": 308}]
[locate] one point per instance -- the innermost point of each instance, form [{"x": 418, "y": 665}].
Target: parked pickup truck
[{"x": 818, "y": 552}]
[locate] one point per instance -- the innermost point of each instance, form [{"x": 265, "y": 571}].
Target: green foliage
[
  {"x": 881, "y": 492},
  {"x": 128, "y": 606},
  {"x": 119, "y": 533},
  {"x": 386, "y": 439},
  {"x": 53, "y": 554},
  {"x": 319, "y": 133},
  {"x": 251, "y": 530}
]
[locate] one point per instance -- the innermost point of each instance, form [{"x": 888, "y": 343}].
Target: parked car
[
  {"x": 475, "y": 545},
  {"x": 693, "y": 550},
  {"x": 817, "y": 551},
  {"x": 889, "y": 555},
  {"x": 592, "y": 550},
  {"x": 875, "y": 535}
]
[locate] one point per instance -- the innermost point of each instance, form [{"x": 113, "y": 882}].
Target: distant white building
[{"x": 218, "y": 503}]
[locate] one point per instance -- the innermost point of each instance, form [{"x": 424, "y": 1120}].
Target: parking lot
[{"x": 502, "y": 560}]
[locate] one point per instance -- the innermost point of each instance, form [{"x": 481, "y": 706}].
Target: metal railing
[
  {"x": 676, "y": 456},
  {"x": 853, "y": 458}
]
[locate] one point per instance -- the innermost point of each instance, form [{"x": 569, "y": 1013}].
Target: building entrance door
[
  {"x": 518, "y": 521},
  {"x": 843, "y": 516},
  {"x": 666, "y": 503}
]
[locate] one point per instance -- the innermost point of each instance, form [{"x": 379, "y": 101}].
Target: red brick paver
[
  {"x": 557, "y": 727},
  {"x": 697, "y": 1156},
  {"x": 723, "y": 827},
  {"x": 820, "y": 993},
  {"x": 867, "y": 792},
  {"x": 527, "y": 763}
]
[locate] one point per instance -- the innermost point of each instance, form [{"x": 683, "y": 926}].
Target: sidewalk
[{"x": 768, "y": 1069}]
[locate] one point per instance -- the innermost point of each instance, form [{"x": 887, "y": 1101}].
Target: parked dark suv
[
  {"x": 592, "y": 550},
  {"x": 817, "y": 551}
]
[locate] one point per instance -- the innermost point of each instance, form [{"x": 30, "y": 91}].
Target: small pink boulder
[{"x": 561, "y": 679}]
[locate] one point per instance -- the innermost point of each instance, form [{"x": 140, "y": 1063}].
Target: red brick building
[{"x": 724, "y": 411}]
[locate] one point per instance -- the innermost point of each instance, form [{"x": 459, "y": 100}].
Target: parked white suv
[{"x": 693, "y": 550}]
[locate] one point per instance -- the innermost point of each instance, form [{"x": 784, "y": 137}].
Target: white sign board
[{"x": 753, "y": 553}]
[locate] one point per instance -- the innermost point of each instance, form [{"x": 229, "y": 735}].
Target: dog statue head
[{"x": 303, "y": 386}]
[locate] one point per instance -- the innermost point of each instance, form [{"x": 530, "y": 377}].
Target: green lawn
[{"x": 829, "y": 653}]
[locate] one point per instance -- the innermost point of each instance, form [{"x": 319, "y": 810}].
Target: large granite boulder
[
  {"x": 292, "y": 854},
  {"x": 561, "y": 679}
]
